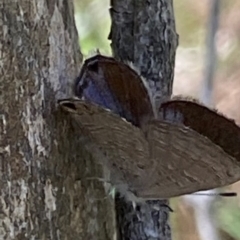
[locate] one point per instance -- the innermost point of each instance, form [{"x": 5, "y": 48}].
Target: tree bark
[
  {"x": 143, "y": 32},
  {"x": 45, "y": 193}
]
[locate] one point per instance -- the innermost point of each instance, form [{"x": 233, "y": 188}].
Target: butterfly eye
[{"x": 68, "y": 105}]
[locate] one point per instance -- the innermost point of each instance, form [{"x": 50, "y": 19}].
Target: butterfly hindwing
[
  {"x": 172, "y": 160},
  {"x": 186, "y": 162},
  {"x": 122, "y": 146}
]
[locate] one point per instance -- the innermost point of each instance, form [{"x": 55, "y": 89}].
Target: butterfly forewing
[
  {"x": 116, "y": 86},
  {"x": 186, "y": 162},
  {"x": 123, "y": 145}
]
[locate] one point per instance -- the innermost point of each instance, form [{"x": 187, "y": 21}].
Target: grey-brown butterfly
[{"x": 144, "y": 157}]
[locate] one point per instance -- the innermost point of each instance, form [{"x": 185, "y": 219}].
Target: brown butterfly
[{"x": 143, "y": 157}]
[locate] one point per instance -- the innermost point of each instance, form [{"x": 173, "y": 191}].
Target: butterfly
[{"x": 187, "y": 149}]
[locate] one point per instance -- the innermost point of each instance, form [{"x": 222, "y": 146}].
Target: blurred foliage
[
  {"x": 93, "y": 23},
  {"x": 229, "y": 216}
]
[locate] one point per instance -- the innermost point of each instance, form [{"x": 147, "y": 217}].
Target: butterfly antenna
[{"x": 228, "y": 194}]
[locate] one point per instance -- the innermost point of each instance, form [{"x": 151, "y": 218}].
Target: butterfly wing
[
  {"x": 115, "y": 142},
  {"x": 186, "y": 162},
  {"x": 219, "y": 129},
  {"x": 116, "y": 86}
]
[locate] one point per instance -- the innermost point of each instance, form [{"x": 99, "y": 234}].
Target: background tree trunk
[
  {"x": 44, "y": 191},
  {"x": 143, "y": 32}
]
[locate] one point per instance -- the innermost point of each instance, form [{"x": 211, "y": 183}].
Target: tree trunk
[
  {"x": 45, "y": 193},
  {"x": 143, "y": 32}
]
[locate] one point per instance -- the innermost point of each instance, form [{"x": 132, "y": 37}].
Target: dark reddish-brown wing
[
  {"x": 114, "y": 142},
  {"x": 185, "y": 162},
  {"x": 115, "y": 86},
  {"x": 220, "y": 130}
]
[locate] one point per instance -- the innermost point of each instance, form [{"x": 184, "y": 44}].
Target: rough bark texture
[
  {"x": 44, "y": 193},
  {"x": 143, "y": 32}
]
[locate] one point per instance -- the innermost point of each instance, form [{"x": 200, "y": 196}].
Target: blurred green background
[{"x": 93, "y": 24}]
